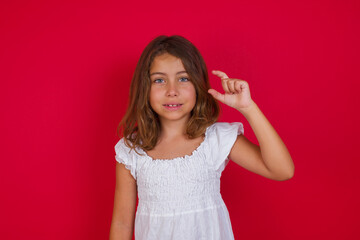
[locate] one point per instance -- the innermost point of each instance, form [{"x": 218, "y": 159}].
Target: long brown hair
[{"x": 140, "y": 125}]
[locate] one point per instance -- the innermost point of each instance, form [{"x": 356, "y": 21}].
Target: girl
[{"x": 174, "y": 151}]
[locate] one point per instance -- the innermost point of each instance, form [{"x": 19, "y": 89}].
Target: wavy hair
[{"x": 141, "y": 124}]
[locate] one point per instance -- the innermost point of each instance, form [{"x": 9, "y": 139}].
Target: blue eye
[
  {"x": 184, "y": 79},
  {"x": 159, "y": 80}
]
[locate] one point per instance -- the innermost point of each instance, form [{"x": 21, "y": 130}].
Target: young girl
[{"x": 173, "y": 151}]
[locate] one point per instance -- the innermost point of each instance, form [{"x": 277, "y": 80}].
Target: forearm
[{"x": 274, "y": 153}]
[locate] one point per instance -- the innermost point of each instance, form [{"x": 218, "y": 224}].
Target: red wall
[{"x": 65, "y": 69}]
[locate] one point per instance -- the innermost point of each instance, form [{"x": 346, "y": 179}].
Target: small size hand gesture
[{"x": 237, "y": 92}]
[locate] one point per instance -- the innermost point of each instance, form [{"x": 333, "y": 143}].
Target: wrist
[{"x": 247, "y": 110}]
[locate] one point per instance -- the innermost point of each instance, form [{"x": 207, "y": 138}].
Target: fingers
[
  {"x": 223, "y": 77},
  {"x": 238, "y": 86},
  {"x": 230, "y": 85},
  {"x": 225, "y": 85},
  {"x": 218, "y": 96},
  {"x": 224, "y": 81},
  {"x": 220, "y": 74}
]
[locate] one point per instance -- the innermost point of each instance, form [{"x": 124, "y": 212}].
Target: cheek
[
  {"x": 194, "y": 91},
  {"x": 152, "y": 95},
  {"x": 191, "y": 92}
]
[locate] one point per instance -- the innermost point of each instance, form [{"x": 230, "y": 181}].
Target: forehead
[{"x": 166, "y": 63}]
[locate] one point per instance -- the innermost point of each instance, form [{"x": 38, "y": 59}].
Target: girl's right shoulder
[
  {"x": 122, "y": 148},
  {"x": 126, "y": 156}
]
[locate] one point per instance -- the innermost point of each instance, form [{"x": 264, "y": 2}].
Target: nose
[{"x": 172, "y": 90}]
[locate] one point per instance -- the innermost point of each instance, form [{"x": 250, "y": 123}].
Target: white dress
[{"x": 180, "y": 198}]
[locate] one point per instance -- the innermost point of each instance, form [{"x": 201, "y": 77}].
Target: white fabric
[{"x": 180, "y": 198}]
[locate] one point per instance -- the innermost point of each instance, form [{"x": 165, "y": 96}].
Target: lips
[{"x": 172, "y": 106}]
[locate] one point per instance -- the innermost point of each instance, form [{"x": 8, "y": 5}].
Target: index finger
[{"x": 220, "y": 74}]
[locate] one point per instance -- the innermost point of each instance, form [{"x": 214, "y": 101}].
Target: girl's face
[{"x": 172, "y": 94}]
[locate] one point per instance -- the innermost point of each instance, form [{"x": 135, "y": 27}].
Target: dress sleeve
[
  {"x": 125, "y": 156},
  {"x": 222, "y": 140}
]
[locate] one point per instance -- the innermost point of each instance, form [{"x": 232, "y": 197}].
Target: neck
[{"x": 172, "y": 129}]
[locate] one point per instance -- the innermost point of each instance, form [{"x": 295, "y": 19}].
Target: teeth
[{"x": 173, "y": 105}]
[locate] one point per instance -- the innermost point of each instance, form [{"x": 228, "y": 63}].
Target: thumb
[{"x": 218, "y": 96}]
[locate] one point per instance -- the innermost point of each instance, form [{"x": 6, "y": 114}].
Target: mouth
[{"x": 173, "y": 106}]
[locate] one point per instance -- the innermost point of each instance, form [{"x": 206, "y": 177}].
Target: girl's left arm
[{"x": 271, "y": 159}]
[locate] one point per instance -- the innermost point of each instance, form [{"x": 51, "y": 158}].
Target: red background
[{"x": 65, "y": 69}]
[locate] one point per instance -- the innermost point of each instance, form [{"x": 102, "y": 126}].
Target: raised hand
[{"x": 237, "y": 92}]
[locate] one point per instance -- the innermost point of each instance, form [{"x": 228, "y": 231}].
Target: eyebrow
[{"x": 165, "y": 73}]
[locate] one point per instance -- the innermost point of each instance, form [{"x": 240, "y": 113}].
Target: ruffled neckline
[{"x": 187, "y": 156}]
